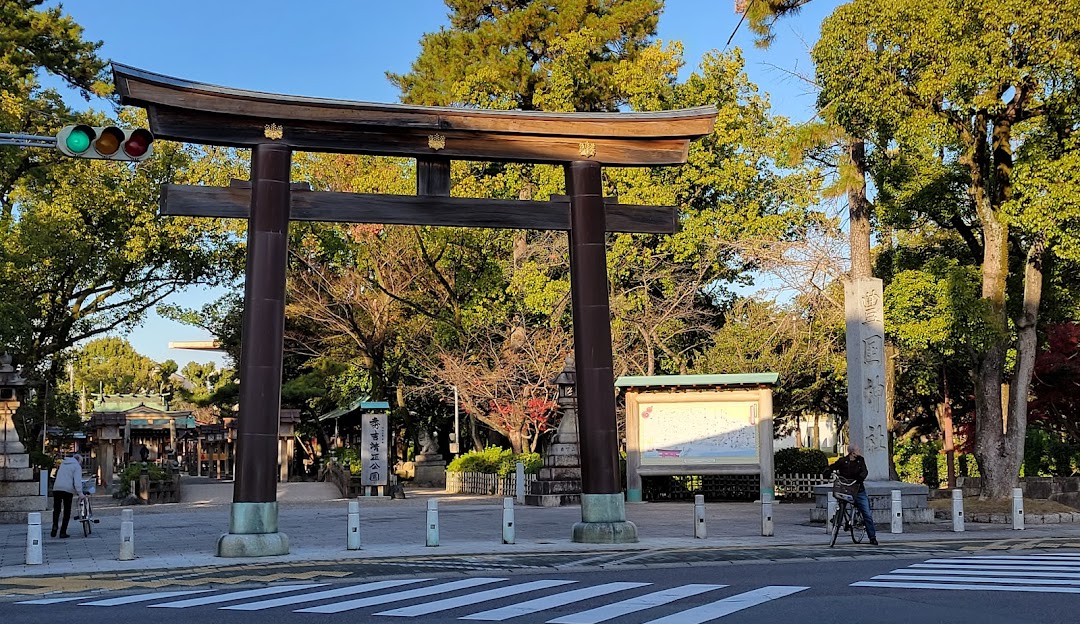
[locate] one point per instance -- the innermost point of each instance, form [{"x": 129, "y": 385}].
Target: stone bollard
[
  {"x": 127, "y": 535},
  {"x": 958, "y": 511},
  {"x": 352, "y": 541},
  {"x": 830, "y": 513},
  {"x": 519, "y": 484},
  {"x": 1018, "y": 509},
  {"x": 766, "y": 515},
  {"x": 33, "y": 538},
  {"x": 508, "y": 520},
  {"x": 699, "y": 516},
  {"x": 897, "y": 525},
  {"x": 433, "y": 522}
]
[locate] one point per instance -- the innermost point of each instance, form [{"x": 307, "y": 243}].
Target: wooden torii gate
[{"x": 273, "y": 126}]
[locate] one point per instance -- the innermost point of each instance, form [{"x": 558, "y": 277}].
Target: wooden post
[
  {"x": 264, "y": 325},
  {"x": 592, "y": 331}
]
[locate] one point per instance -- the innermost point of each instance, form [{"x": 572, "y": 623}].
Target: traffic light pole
[{"x": 27, "y": 140}]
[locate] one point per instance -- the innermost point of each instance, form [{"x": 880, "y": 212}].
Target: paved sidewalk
[{"x": 184, "y": 535}]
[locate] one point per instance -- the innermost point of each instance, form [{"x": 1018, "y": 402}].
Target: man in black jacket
[{"x": 853, "y": 467}]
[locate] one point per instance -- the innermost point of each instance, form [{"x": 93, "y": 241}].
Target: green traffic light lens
[{"x": 78, "y": 141}]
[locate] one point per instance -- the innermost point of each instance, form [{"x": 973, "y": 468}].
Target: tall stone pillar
[
  {"x": 868, "y": 429},
  {"x": 866, "y": 373}
]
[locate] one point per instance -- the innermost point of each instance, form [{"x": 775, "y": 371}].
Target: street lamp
[{"x": 455, "y": 445}]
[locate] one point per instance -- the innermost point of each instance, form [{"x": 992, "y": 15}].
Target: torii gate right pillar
[{"x": 603, "y": 511}]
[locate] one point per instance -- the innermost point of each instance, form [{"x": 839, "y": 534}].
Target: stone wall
[{"x": 1064, "y": 490}]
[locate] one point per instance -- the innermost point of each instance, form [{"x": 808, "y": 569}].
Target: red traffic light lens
[
  {"x": 109, "y": 142},
  {"x": 139, "y": 143}
]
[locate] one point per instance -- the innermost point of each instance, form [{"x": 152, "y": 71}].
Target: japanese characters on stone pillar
[
  {"x": 374, "y": 447},
  {"x": 866, "y": 373}
]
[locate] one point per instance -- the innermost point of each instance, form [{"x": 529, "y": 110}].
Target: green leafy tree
[
  {"x": 972, "y": 76},
  {"x": 112, "y": 365}
]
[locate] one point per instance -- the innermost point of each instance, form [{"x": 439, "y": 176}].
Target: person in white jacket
[{"x": 68, "y": 484}]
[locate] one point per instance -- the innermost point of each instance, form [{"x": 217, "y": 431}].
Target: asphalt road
[{"x": 1009, "y": 586}]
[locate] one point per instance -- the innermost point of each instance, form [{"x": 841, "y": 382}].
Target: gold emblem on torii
[
  {"x": 587, "y": 149},
  {"x": 436, "y": 141},
  {"x": 273, "y": 131}
]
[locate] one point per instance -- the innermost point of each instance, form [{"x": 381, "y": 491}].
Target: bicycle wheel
[
  {"x": 84, "y": 513},
  {"x": 838, "y": 521},
  {"x": 858, "y": 526}
]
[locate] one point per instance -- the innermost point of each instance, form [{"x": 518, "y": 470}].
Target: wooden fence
[{"x": 483, "y": 483}]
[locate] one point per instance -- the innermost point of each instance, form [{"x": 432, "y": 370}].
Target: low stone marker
[
  {"x": 127, "y": 535},
  {"x": 699, "y": 516},
  {"x": 433, "y": 522},
  {"x": 508, "y": 519},
  {"x": 353, "y": 535},
  {"x": 1018, "y": 509},
  {"x": 897, "y": 524},
  {"x": 33, "y": 538},
  {"x": 958, "y": 511}
]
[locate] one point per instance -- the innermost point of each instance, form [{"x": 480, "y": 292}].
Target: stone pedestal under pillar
[
  {"x": 603, "y": 521},
  {"x": 913, "y": 502},
  {"x": 253, "y": 532}
]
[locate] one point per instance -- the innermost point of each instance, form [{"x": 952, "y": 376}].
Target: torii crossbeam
[{"x": 274, "y": 126}]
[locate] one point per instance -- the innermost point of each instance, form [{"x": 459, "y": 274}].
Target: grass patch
[{"x": 974, "y": 505}]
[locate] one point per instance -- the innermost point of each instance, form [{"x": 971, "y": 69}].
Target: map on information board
[{"x": 723, "y": 432}]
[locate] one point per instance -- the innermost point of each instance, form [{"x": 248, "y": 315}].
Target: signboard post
[{"x": 373, "y": 452}]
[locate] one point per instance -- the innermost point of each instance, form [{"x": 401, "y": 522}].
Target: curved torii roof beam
[{"x": 194, "y": 112}]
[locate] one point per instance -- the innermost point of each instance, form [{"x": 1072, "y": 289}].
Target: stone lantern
[
  {"x": 19, "y": 492},
  {"x": 559, "y": 481}
]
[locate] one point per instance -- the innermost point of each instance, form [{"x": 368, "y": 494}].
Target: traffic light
[{"x": 105, "y": 142}]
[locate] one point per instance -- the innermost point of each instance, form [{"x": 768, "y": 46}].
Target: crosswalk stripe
[
  {"x": 1056, "y": 557},
  {"x": 989, "y": 573},
  {"x": 470, "y": 599},
  {"x": 964, "y": 566},
  {"x": 49, "y": 601},
  {"x": 976, "y": 579},
  {"x": 557, "y": 600},
  {"x": 996, "y": 562},
  {"x": 338, "y": 607},
  {"x": 631, "y": 605},
  {"x": 322, "y": 595},
  {"x": 729, "y": 605},
  {"x": 123, "y": 600},
  {"x": 239, "y": 595},
  {"x": 1005, "y": 588}
]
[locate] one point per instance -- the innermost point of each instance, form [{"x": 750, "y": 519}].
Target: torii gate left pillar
[{"x": 253, "y": 516}]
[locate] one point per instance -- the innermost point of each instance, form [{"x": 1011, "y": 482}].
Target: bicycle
[
  {"x": 86, "y": 509},
  {"x": 847, "y": 515}
]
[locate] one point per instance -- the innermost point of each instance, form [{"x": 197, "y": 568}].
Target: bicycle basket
[{"x": 845, "y": 489}]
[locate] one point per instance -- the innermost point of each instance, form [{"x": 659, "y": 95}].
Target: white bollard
[
  {"x": 433, "y": 522},
  {"x": 519, "y": 484},
  {"x": 830, "y": 514},
  {"x": 508, "y": 519},
  {"x": 353, "y": 537},
  {"x": 127, "y": 535},
  {"x": 699, "y": 516},
  {"x": 1018, "y": 509},
  {"x": 33, "y": 538},
  {"x": 766, "y": 515},
  {"x": 958, "y": 511},
  {"x": 897, "y": 525}
]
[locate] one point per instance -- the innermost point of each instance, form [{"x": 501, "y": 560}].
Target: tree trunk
[
  {"x": 858, "y": 212},
  {"x": 474, "y": 435}
]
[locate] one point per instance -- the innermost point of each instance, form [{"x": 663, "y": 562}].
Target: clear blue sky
[{"x": 342, "y": 49}]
